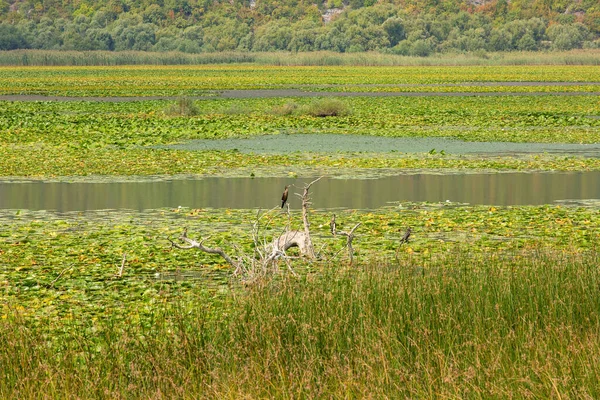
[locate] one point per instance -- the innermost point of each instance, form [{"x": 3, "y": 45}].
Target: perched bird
[
  {"x": 406, "y": 236},
  {"x": 284, "y": 197},
  {"x": 332, "y": 225}
]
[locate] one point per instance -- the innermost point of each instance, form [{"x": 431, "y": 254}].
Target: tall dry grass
[
  {"x": 521, "y": 326},
  {"x": 322, "y": 58}
]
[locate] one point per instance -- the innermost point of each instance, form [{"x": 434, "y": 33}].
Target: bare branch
[
  {"x": 59, "y": 275},
  {"x": 199, "y": 245},
  {"x": 310, "y": 250},
  {"x": 306, "y": 187},
  {"x": 289, "y": 265},
  {"x": 349, "y": 239},
  {"x": 120, "y": 273},
  {"x": 318, "y": 254}
]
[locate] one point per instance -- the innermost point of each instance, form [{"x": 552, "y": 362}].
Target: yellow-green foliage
[
  {"x": 480, "y": 294},
  {"x": 201, "y": 79}
]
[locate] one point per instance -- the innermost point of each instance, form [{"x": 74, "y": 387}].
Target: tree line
[{"x": 409, "y": 27}]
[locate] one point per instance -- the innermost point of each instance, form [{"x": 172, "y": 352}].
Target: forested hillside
[{"x": 407, "y": 27}]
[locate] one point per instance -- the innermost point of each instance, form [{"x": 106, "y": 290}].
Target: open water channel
[{"x": 530, "y": 188}]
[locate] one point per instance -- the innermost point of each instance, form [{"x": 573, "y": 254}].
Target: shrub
[
  {"x": 285, "y": 109},
  {"x": 327, "y": 108},
  {"x": 183, "y": 106}
]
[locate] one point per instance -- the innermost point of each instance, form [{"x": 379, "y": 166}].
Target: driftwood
[
  {"x": 291, "y": 239},
  {"x": 194, "y": 244},
  {"x": 251, "y": 266},
  {"x": 267, "y": 254},
  {"x": 300, "y": 239}
]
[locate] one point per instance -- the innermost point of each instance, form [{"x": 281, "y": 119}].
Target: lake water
[
  {"x": 281, "y": 144},
  {"x": 246, "y": 193}
]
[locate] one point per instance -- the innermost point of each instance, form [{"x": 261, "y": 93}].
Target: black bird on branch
[
  {"x": 284, "y": 197},
  {"x": 406, "y": 237}
]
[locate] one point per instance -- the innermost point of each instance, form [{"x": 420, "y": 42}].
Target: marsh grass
[
  {"x": 289, "y": 108},
  {"x": 320, "y": 58},
  {"x": 184, "y": 106},
  {"x": 523, "y": 325},
  {"x": 325, "y": 107},
  {"x": 88, "y": 58},
  {"x": 237, "y": 109}
]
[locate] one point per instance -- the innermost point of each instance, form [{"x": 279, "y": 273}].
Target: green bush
[{"x": 327, "y": 108}]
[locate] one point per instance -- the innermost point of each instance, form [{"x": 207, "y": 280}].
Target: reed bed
[
  {"x": 502, "y": 326},
  {"x": 322, "y": 58}
]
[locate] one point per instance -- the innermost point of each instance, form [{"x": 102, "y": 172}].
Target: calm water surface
[
  {"x": 299, "y": 142},
  {"x": 492, "y": 189}
]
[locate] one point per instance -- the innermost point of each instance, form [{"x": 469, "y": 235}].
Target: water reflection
[{"x": 496, "y": 189}]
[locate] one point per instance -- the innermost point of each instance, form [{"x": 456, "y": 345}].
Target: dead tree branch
[
  {"x": 266, "y": 253},
  {"x": 200, "y": 245},
  {"x": 291, "y": 239},
  {"x": 248, "y": 265},
  {"x": 349, "y": 239},
  {"x": 300, "y": 239},
  {"x": 310, "y": 250},
  {"x": 120, "y": 273},
  {"x": 59, "y": 275}
]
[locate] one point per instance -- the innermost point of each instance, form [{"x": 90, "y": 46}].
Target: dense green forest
[{"x": 406, "y": 27}]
